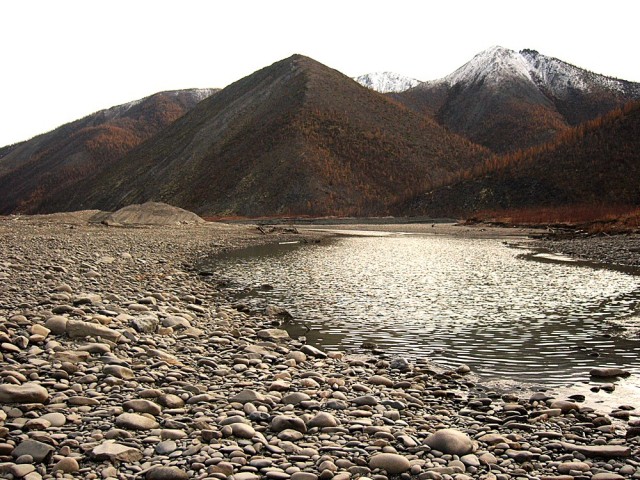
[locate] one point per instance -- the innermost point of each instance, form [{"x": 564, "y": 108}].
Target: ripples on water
[{"x": 452, "y": 300}]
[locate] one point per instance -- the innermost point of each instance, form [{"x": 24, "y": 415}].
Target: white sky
[{"x": 63, "y": 59}]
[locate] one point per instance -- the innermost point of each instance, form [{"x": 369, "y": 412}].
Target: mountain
[
  {"x": 296, "y": 137},
  {"x": 595, "y": 164},
  {"x": 507, "y": 100},
  {"x": 387, "y": 82},
  {"x": 56, "y": 161}
]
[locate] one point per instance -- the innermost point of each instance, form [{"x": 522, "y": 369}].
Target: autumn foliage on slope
[
  {"x": 297, "y": 138},
  {"x": 32, "y": 171},
  {"x": 594, "y": 164}
]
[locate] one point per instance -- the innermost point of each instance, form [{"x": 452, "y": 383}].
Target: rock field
[{"x": 119, "y": 362}]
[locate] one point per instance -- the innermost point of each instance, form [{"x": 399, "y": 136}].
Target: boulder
[
  {"x": 450, "y": 441},
  {"x": 166, "y": 473},
  {"x": 133, "y": 421},
  {"x": 37, "y": 450},
  {"x": 80, "y": 329},
  {"x": 110, "y": 450},
  {"x": 26, "y": 393},
  {"x": 608, "y": 372},
  {"x": 392, "y": 463}
]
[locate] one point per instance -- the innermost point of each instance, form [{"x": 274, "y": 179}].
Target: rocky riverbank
[
  {"x": 119, "y": 362},
  {"x": 614, "y": 250}
]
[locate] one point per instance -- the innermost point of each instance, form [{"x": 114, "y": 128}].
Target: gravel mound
[{"x": 150, "y": 213}]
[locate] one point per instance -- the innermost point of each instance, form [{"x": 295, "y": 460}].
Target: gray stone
[
  {"x": 166, "y": 447},
  {"x": 56, "y": 419},
  {"x": 284, "y": 422},
  {"x": 57, "y": 324},
  {"x": 390, "y": 462},
  {"x": 273, "y": 334},
  {"x": 66, "y": 465},
  {"x": 295, "y": 398},
  {"x": 110, "y": 450},
  {"x": 37, "y": 450},
  {"x": 133, "y": 421},
  {"x": 146, "y": 324},
  {"x": 322, "y": 419},
  {"x": 450, "y": 441},
  {"x": 166, "y": 473},
  {"x": 80, "y": 329},
  {"x": 26, "y": 393},
  {"x": 246, "y": 396},
  {"x": 608, "y": 372},
  {"x": 119, "y": 371},
  {"x": 312, "y": 351},
  {"x": 605, "y": 451},
  {"x": 142, "y": 406},
  {"x": 242, "y": 430}
]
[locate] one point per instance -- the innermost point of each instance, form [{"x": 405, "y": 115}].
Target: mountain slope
[
  {"x": 386, "y": 82},
  {"x": 508, "y": 100},
  {"x": 294, "y": 137},
  {"x": 596, "y": 163},
  {"x": 33, "y": 170}
]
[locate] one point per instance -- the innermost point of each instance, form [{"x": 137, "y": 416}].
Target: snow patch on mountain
[
  {"x": 387, "y": 82},
  {"x": 492, "y": 67},
  {"x": 560, "y": 78},
  {"x": 198, "y": 94},
  {"x": 498, "y": 65}
]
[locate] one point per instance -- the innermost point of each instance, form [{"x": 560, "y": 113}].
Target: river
[{"x": 452, "y": 300}]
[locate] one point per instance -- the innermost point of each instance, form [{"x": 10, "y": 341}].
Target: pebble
[
  {"x": 390, "y": 462},
  {"x": 450, "y": 441},
  {"x": 137, "y": 367}
]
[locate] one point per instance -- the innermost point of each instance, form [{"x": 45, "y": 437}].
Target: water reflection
[{"x": 453, "y": 300}]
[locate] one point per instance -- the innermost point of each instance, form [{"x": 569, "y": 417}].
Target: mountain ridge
[
  {"x": 57, "y": 160},
  {"x": 296, "y": 136},
  {"x": 507, "y": 100}
]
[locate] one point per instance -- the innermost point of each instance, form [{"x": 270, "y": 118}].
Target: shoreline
[{"x": 120, "y": 361}]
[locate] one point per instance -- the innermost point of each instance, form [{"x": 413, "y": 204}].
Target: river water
[{"x": 452, "y": 300}]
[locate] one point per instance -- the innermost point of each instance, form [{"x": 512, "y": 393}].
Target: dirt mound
[{"x": 150, "y": 213}]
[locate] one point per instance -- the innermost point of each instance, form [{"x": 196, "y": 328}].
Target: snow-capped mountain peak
[
  {"x": 386, "y": 82},
  {"x": 492, "y": 66}
]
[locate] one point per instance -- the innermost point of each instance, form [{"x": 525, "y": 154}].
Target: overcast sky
[{"x": 62, "y": 60}]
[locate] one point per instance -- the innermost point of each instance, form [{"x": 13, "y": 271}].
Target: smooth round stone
[
  {"x": 26, "y": 393},
  {"x": 246, "y": 476},
  {"x": 451, "y": 441},
  {"x": 166, "y": 447},
  {"x": 133, "y": 421},
  {"x": 365, "y": 400},
  {"x": 321, "y": 420},
  {"x": 246, "y": 396},
  {"x": 119, "y": 371},
  {"x": 57, "y": 324},
  {"x": 565, "y": 406},
  {"x": 392, "y": 463},
  {"x": 380, "y": 380},
  {"x": 284, "y": 422},
  {"x": 608, "y": 372},
  {"x": 67, "y": 465},
  {"x": 166, "y": 473},
  {"x": 304, "y": 476},
  {"x": 567, "y": 467},
  {"x": 289, "y": 435},
  {"x": 295, "y": 398},
  {"x": 242, "y": 430},
  {"x": 171, "y": 401},
  {"x": 142, "y": 406}
]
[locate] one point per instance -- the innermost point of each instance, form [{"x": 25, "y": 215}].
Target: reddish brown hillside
[
  {"x": 507, "y": 100},
  {"x": 596, "y": 163},
  {"x": 32, "y": 171},
  {"x": 294, "y": 137}
]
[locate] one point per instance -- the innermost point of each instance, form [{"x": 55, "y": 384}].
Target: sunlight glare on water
[{"x": 452, "y": 300}]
